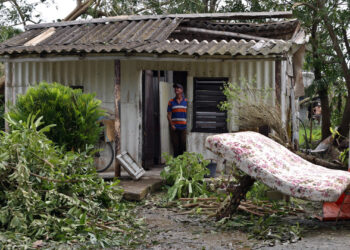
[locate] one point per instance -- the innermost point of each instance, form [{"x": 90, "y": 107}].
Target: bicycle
[{"x": 105, "y": 153}]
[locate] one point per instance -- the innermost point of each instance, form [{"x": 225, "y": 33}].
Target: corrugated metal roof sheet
[
  {"x": 152, "y": 36},
  {"x": 197, "y": 16}
]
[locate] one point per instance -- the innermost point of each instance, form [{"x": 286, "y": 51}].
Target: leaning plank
[{"x": 264, "y": 159}]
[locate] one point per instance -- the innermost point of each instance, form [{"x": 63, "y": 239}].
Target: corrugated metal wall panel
[{"x": 95, "y": 76}]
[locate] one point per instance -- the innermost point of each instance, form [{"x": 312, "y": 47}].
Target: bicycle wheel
[{"x": 104, "y": 158}]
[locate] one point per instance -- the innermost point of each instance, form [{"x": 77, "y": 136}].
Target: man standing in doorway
[{"x": 177, "y": 113}]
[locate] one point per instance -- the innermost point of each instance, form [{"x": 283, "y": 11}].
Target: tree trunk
[
  {"x": 322, "y": 92},
  {"x": 227, "y": 210},
  {"x": 344, "y": 125},
  {"x": 326, "y": 113},
  {"x": 206, "y": 6},
  {"x": 212, "y": 6}
]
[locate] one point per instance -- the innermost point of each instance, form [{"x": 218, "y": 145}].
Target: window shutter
[{"x": 208, "y": 94}]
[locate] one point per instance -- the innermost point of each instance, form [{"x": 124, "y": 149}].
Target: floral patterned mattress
[{"x": 277, "y": 167}]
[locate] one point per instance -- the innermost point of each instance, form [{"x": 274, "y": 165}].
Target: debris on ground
[
  {"x": 167, "y": 224},
  {"x": 210, "y": 205}
]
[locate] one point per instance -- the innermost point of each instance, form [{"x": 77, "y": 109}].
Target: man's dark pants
[{"x": 178, "y": 137}]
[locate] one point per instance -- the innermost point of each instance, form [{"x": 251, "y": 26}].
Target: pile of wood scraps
[{"x": 210, "y": 206}]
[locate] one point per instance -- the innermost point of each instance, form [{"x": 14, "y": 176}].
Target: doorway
[{"x": 156, "y": 92}]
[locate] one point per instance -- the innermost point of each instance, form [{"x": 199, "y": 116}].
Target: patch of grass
[
  {"x": 316, "y": 135},
  {"x": 257, "y": 192}
]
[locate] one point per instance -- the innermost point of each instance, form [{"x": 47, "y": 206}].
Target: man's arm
[{"x": 170, "y": 122}]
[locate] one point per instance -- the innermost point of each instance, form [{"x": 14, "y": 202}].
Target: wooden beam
[
  {"x": 223, "y": 33},
  {"x": 278, "y": 82},
  {"x": 117, "y": 115}
]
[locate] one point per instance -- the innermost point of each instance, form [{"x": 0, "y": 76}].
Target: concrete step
[{"x": 138, "y": 190}]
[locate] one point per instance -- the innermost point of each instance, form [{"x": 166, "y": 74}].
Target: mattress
[{"x": 269, "y": 162}]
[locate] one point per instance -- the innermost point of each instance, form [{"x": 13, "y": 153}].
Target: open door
[
  {"x": 148, "y": 149},
  {"x": 166, "y": 92}
]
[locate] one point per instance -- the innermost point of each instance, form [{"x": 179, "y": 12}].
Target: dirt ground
[{"x": 170, "y": 229}]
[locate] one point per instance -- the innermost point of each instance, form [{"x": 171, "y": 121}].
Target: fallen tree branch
[
  {"x": 199, "y": 199},
  {"x": 79, "y": 10},
  {"x": 46, "y": 178},
  {"x": 240, "y": 207},
  {"x": 321, "y": 162},
  {"x": 106, "y": 227},
  {"x": 207, "y": 207},
  {"x": 44, "y": 160},
  {"x": 310, "y": 158},
  {"x": 190, "y": 205}
]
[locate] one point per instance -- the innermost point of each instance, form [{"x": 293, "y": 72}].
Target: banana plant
[{"x": 185, "y": 175}]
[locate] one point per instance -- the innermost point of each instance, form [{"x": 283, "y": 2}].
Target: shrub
[
  {"x": 75, "y": 114},
  {"x": 49, "y": 196}
]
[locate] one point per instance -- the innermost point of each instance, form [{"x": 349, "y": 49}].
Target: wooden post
[
  {"x": 8, "y": 85},
  {"x": 117, "y": 115},
  {"x": 311, "y": 128},
  {"x": 278, "y": 82}
]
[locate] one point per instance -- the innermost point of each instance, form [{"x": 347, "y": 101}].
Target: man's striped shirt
[{"x": 178, "y": 113}]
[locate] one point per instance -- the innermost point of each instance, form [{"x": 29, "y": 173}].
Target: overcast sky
[{"x": 59, "y": 10}]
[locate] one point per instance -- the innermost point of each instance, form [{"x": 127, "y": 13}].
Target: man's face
[{"x": 178, "y": 91}]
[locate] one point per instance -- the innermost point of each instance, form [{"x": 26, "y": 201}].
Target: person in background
[{"x": 177, "y": 114}]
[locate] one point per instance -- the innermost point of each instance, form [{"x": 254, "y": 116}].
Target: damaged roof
[{"x": 186, "y": 34}]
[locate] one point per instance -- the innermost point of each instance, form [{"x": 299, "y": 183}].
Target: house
[{"x": 130, "y": 62}]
